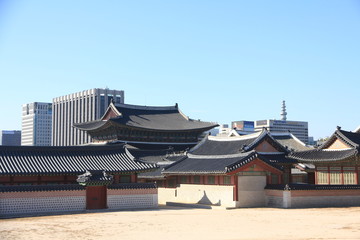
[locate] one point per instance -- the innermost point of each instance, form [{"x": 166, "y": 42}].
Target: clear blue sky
[{"x": 220, "y": 60}]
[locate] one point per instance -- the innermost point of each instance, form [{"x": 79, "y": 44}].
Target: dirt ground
[{"x": 185, "y": 223}]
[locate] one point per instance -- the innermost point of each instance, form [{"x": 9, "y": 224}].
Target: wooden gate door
[{"x": 96, "y": 197}]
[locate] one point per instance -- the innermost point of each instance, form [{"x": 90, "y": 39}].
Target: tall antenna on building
[{"x": 283, "y": 111}]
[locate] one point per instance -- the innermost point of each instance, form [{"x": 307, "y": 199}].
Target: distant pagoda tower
[{"x": 283, "y": 111}]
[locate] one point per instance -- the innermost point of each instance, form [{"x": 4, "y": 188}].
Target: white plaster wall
[
  {"x": 132, "y": 201},
  {"x": 197, "y": 193},
  {"x": 12, "y": 206},
  {"x": 274, "y": 201},
  {"x": 286, "y": 200},
  {"x": 167, "y": 195},
  {"x": 324, "y": 201},
  {"x": 251, "y": 191}
]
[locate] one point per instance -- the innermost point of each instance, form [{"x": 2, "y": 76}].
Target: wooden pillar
[
  {"x": 134, "y": 178},
  {"x": 311, "y": 178},
  {"x": 216, "y": 180},
  {"x": 287, "y": 174},
  {"x": 236, "y": 187},
  {"x": 268, "y": 178}
]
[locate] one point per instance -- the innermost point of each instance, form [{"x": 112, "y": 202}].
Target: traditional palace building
[
  {"x": 337, "y": 161},
  {"x": 256, "y": 170},
  {"x": 262, "y": 169},
  {"x": 146, "y": 127},
  {"x": 229, "y": 171},
  {"x": 57, "y": 179}
]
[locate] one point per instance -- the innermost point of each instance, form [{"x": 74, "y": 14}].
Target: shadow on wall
[{"x": 206, "y": 200}]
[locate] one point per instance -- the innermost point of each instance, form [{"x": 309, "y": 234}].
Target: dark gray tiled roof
[
  {"x": 320, "y": 155},
  {"x": 277, "y": 158},
  {"x": 219, "y": 147},
  {"x": 351, "y": 138},
  {"x": 197, "y": 164},
  {"x": 153, "y": 118},
  {"x": 157, "y": 174},
  {"x": 287, "y": 140},
  {"x": 159, "y": 118},
  {"x": 91, "y": 125},
  {"x": 28, "y": 160},
  {"x": 71, "y": 187},
  {"x": 154, "y": 156},
  {"x": 40, "y": 188},
  {"x": 234, "y": 145},
  {"x": 92, "y": 178}
]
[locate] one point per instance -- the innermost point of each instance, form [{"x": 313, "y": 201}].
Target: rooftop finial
[{"x": 283, "y": 111}]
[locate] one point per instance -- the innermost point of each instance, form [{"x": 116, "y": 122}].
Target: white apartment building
[
  {"x": 36, "y": 124},
  {"x": 80, "y": 107}
]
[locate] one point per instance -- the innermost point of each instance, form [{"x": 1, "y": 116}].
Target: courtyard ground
[{"x": 185, "y": 223}]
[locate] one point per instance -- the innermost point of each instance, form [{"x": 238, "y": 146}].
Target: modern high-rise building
[
  {"x": 297, "y": 128},
  {"x": 10, "y": 137},
  {"x": 80, "y": 107},
  {"x": 36, "y": 124}
]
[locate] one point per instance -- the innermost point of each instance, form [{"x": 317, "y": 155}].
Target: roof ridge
[
  {"x": 219, "y": 156},
  {"x": 343, "y": 134},
  {"x": 265, "y": 133},
  {"x": 144, "y": 107}
]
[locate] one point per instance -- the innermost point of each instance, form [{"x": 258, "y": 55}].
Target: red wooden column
[
  {"x": 236, "y": 187},
  {"x": 134, "y": 178}
]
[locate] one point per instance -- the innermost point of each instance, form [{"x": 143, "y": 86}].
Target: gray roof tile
[{"x": 28, "y": 160}]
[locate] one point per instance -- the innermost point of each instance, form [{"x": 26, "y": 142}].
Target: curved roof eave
[
  {"x": 202, "y": 129},
  {"x": 305, "y": 156},
  {"x": 339, "y": 134},
  {"x": 90, "y": 126}
]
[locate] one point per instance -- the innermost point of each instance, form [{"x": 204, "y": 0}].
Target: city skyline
[{"x": 221, "y": 62}]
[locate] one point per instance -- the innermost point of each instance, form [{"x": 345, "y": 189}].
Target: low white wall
[
  {"x": 132, "y": 201},
  {"x": 274, "y": 201},
  {"x": 132, "y": 198},
  {"x": 251, "y": 191},
  {"x": 324, "y": 201},
  {"x": 167, "y": 195},
  {"x": 46, "y": 202},
  {"x": 312, "y": 198},
  {"x": 197, "y": 193},
  {"x": 33, "y": 202}
]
